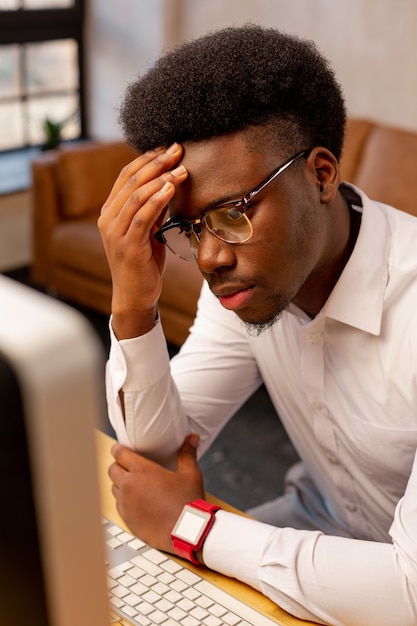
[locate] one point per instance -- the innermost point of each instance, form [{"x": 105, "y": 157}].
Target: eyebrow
[{"x": 216, "y": 203}]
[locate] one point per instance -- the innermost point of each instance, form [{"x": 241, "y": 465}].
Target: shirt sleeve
[
  {"x": 198, "y": 391},
  {"x": 326, "y": 579},
  {"x": 151, "y": 419}
]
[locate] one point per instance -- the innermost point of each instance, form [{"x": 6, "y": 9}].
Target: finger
[
  {"x": 115, "y": 472},
  {"x": 130, "y": 169},
  {"x": 124, "y": 457},
  {"x": 143, "y": 169},
  {"x": 144, "y": 206},
  {"x": 187, "y": 454}
]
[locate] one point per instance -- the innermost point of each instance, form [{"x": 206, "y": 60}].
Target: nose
[{"x": 214, "y": 253}]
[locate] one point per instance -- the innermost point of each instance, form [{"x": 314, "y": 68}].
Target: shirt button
[
  {"x": 311, "y": 337},
  {"x": 352, "y": 506},
  {"x": 318, "y": 405}
]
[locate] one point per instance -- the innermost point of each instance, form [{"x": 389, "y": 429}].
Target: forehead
[{"x": 221, "y": 169}]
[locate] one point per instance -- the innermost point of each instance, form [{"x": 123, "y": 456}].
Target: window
[{"x": 41, "y": 72}]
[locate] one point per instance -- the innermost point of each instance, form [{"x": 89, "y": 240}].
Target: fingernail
[
  {"x": 166, "y": 187},
  {"x": 173, "y": 149},
  {"x": 179, "y": 171}
]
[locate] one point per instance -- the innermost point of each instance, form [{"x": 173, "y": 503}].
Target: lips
[{"x": 234, "y": 300}]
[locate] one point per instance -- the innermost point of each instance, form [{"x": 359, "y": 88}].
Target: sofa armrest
[{"x": 45, "y": 213}]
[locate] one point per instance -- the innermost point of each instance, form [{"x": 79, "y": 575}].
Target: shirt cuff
[
  {"x": 140, "y": 362},
  {"x": 235, "y": 545}
]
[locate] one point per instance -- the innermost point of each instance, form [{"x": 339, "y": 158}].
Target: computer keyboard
[{"x": 148, "y": 587}]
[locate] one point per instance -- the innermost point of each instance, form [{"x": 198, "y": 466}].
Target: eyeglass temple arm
[{"x": 277, "y": 173}]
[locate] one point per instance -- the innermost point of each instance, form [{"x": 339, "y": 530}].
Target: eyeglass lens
[
  {"x": 226, "y": 223},
  {"x": 182, "y": 242}
]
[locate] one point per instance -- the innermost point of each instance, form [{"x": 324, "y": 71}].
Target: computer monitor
[{"x": 51, "y": 398}]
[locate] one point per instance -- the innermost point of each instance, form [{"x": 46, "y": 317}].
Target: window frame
[{"x": 21, "y": 26}]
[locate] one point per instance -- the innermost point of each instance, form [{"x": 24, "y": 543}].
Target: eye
[{"x": 233, "y": 213}]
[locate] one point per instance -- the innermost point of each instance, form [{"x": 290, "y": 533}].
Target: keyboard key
[
  {"x": 151, "y": 597},
  {"x": 231, "y": 619},
  {"x": 111, "y": 583},
  {"x": 120, "y": 592},
  {"x": 126, "y": 581},
  {"x": 147, "y": 565},
  {"x": 154, "y": 556},
  {"x": 217, "y": 610},
  {"x": 210, "y": 620},
  {"x": 191, "y": 593},
  {"x": 178, "y": 585},
  {"x": 157, "y": 617},
  {"x": 148, "y": 580},
  {"x": 164, "y": 605},
  {"x": 177, "y": 614},
  {"x": 145, "y": 608},
  {"x": 136, "y": 544},
  {"x": 171, "y": 566},
  {"x": 114, "y": 530},
  {"x": 189, "y": 621},
  {"x": 142, "y": 620},
  {"x": 116, "y": 602},
  {"x": 119, "y": 570},
  {"x": 129, "y": 611},
  {"x": 139, "y": 589},
  {"x": 204, "y": 601},
  {"x": 124, "y": 537},
  {"x": 173, "y": 596},
  {"x": 132, "y": 599},
  {"x": 198, "y": 613},
  {"x": 166, "y": 578},
  {"x": 114, "y": 542},
  {"x": 161, "y": 588},
  {"x": 136, "y": 572},
  {"x": 188, "y": 577},
  {"x": 186, "y": 605}
]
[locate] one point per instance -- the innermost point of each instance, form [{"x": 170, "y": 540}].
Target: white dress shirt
[{"x": 345, "y": 387}]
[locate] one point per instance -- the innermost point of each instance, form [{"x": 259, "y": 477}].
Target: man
[{"x": 310, "y": 287}]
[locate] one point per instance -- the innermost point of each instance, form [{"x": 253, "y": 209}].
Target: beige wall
[
  {"x": 371, "y": 44},
  {"x": 123, "y": 38}
]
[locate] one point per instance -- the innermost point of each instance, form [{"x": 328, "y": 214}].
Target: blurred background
[
  {"x": 67, "y": 63},
  {"x": 64, "y": 67}
]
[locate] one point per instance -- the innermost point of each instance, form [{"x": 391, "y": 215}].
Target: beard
[{"x": 257, "y": 328}]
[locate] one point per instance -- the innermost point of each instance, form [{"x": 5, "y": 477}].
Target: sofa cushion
[
  {"x": 357, "y": 132},
  {"x": 77, "y": 246},
  {"x": 389, "y": 168},
  {"x": 86, "y": 173}
]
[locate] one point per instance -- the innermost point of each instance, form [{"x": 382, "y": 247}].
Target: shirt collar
[{"x": 358, "y": 296}]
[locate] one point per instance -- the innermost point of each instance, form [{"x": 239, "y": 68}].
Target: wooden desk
[{"x": 238, "y": 589}]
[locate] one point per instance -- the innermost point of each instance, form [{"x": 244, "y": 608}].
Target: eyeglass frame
[{"x": 242, "y": 204}]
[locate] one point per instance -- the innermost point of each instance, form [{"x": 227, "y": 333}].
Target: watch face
[{"x": 191, "y": 525}]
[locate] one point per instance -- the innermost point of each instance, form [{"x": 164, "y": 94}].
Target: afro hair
[{"x": 232, "y": 79}]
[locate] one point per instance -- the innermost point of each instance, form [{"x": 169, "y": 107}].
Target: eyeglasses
[{"x": 228, "y": 221}]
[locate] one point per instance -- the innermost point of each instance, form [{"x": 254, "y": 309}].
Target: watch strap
[{"x": 184, "y": 549}]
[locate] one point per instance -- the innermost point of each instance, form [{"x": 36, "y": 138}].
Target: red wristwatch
[{"x": 192, "y": 527}]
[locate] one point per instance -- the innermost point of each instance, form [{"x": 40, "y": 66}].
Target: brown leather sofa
[
  {"x": 69, "y": 187},
  {"x": 71, "y": 184}
]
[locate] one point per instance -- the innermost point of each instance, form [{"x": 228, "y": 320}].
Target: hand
[
  {"x": 131, "y": 215},
  {"x": 150, "y": 497}
]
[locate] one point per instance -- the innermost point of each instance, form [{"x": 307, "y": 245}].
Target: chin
[{"x": 257, "y": 328}]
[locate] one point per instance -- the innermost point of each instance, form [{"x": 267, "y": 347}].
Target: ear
[{"x": 325, "y": 170}]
